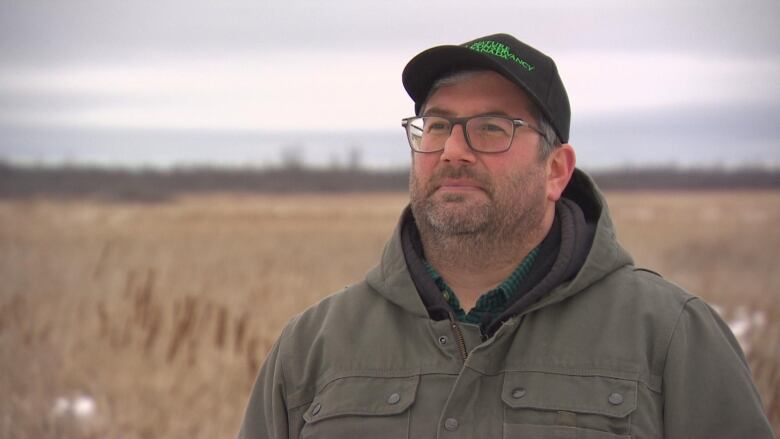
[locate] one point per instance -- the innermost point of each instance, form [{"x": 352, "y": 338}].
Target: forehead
[{"x": 479, "y": 93}]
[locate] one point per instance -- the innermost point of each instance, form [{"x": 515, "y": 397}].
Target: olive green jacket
[{"x": 616, "y": 352}]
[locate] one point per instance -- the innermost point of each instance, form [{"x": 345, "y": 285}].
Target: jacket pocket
[
  {"x": 556, "y": 405},
  {"x": 375, "y": 406}
]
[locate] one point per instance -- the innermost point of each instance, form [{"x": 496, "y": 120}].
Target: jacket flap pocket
[
  {"x": 363, "y": 396},
  {"x": 607, "y": 396}
]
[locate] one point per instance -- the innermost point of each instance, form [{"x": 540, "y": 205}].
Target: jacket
[{"x": 611, "y": 351}]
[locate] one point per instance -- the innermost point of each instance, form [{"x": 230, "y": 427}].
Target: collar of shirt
[{"x": 492, "y": 302}]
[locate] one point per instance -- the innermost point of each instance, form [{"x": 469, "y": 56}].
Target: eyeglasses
[{"x": 487, "y": 134}]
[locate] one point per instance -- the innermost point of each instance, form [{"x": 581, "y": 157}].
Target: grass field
[{"x": 150, "y": 320}]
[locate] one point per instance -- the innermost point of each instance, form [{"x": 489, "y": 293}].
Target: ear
[{"x": 560, "y": 166}]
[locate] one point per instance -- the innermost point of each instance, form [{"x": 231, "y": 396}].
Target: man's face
[{"x": 462, "y": 192}]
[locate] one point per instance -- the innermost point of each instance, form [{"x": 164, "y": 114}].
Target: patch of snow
[
  {"x": 79, "y": 406},
  {"x": 744, "y": 323},
  {"x": 83, "y": 406}
]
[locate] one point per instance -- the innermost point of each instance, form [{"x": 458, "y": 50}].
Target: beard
[{"x": 507, "y": 207}]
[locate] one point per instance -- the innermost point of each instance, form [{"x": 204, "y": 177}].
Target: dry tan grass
[{"x": 162, "y": 312}]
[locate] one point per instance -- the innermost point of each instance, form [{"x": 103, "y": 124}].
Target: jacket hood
[
  {"x": 605, "y": 255},
  {"x": 393, "y": 280}
]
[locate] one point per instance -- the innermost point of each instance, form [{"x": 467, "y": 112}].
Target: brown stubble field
[{"x": 150, "y": 320}]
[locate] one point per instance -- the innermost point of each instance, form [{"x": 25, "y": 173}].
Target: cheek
[
  {"x": 423, "y": 165},
  {"x": 524, "y": 181}
]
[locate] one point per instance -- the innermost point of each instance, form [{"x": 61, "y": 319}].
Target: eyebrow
[{"x": 436, "y": 111}]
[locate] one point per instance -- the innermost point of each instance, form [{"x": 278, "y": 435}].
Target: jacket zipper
[{"x": 458, "y": 337}]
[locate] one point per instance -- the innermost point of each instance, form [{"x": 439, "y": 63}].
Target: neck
[{"x": 476, "y": 263}]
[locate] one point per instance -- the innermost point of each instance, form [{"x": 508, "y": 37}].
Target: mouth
[{"x": 458, "y": 185}]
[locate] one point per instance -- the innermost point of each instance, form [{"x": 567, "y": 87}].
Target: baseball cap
[{"x": 528, "y": 68}]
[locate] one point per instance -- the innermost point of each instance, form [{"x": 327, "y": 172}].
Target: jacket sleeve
[
  {"x": 266, "y": 413},
  {"x": 707, "y": 385}
]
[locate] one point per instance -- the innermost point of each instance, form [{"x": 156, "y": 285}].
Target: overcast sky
[{"x": 700, "y": 73}]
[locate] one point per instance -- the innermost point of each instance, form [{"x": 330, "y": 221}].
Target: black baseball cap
[{"x": 528, "y": 68}]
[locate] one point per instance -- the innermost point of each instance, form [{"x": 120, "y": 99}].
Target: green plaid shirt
[{"x": 494, "y": 301}]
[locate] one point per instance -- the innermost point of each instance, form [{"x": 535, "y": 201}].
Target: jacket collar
[{"x": 401, "y": 272}]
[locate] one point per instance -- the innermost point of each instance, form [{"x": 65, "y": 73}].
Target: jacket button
[
  {"x": 316, "y": 409},
  {"x": 394, "y": 398},
  {"x": 615, "y": 399},
  {"x": 518, "y": 393},
  {"x": 451, "y": 424},
  {"x": 442, "y": 340}
]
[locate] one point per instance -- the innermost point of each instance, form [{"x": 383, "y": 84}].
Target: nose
[{"x": 456, "y": 148}]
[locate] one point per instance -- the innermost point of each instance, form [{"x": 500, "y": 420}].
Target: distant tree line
[{"x": 122, "y": 184}]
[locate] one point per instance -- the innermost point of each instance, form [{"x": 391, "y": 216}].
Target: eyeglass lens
[{"x": 484, "y": 133}]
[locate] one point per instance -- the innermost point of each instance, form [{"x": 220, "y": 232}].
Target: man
[{"x": 503, "y": 305}]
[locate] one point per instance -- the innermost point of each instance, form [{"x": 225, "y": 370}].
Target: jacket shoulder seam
[
  {"x": 647, "y": 270},
  {"x": 674, "y": 331}
]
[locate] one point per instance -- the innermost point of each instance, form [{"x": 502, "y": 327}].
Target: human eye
[
  {"x": 492, "y": 126},
  {"x": 436, "y": 125}
]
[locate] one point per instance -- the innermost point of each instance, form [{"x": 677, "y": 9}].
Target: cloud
[
  {"x": 249, "y": 65},
  {"x": 614, "y": 82},
  {"x": 320, "y": 90},
  {"x": 36, "y": 32},
  {"x": 690, "y": 135},
  {"x": 305, "y": 90}
]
